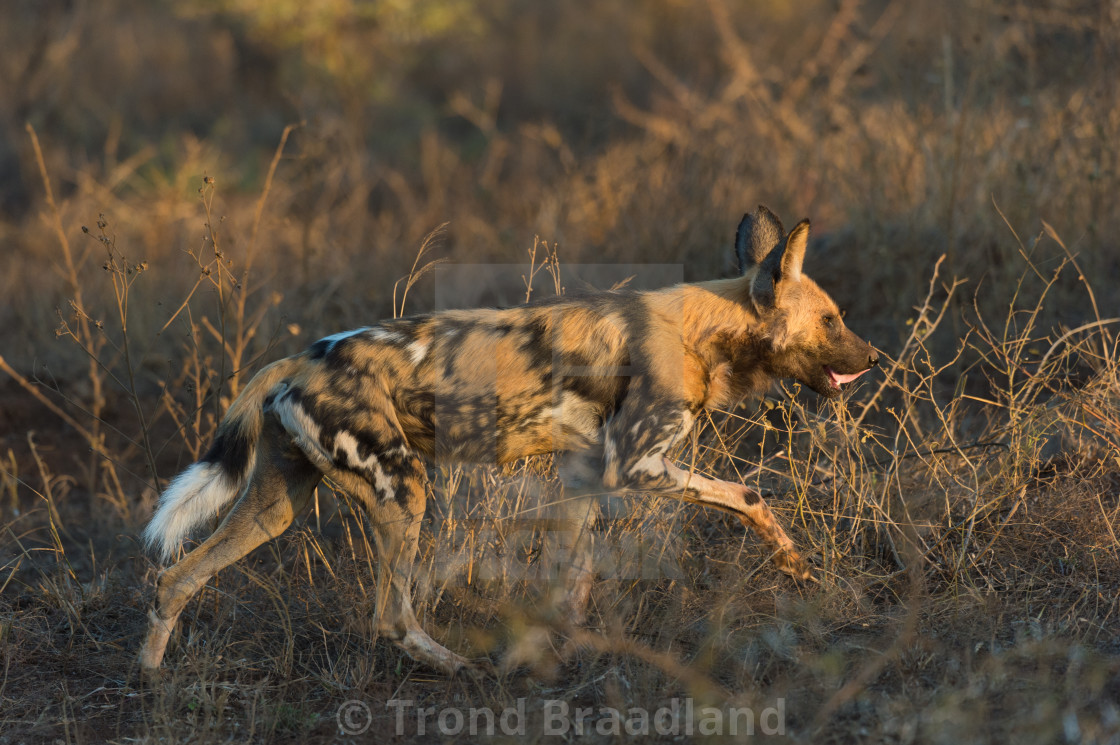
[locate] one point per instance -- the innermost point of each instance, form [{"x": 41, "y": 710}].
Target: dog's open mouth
[{"x": 838, "y": 379}]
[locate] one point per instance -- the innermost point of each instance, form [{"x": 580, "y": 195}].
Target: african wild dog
[{"x": 619, "y": 375}]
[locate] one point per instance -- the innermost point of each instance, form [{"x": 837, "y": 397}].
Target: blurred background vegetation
[
  {"x": 622, "y": 131},
  {"x": 231, "y": 179}
]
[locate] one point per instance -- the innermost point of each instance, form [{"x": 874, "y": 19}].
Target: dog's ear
[
  {"x": 793, "y": 253},
  {"x": 757, "y": 236},
  {"x": 781, "y": 265}
]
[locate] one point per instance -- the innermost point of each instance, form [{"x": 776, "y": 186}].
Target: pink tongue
[{"x": 840, "y": 378}]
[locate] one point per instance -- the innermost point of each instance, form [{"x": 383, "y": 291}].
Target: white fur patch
[
  {"x": 303, "y": 429},
  {"x": 336, "y": 338},
  {"x": 194, "y": 495},
  {"x": 418, "y": 350},
  {"x": 345, "y": 442},
  {"x": 381, "y": 334},
  {"x": 376, "y": 333},
  {"x": 650, "y": 464}
]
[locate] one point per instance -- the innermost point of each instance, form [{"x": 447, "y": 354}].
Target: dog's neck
[{"x": 721, "y": 329}]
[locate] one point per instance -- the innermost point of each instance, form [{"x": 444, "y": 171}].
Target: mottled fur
[{"x": 620, "y": 375}]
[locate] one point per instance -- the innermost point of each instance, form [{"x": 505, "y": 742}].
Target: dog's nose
[{"x": 873, "y": 359}]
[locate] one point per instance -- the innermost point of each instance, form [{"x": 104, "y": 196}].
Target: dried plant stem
[
  {"x": 31, "y": 388},
  {"x": 94, "y": 436}
]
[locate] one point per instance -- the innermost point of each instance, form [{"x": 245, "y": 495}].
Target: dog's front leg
[
  {"x": 748, "y": 505},
  {"x": 649, "y": 470}
]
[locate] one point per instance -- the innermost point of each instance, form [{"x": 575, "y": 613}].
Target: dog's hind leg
[
  {"x": 282, "y": 481},
  {"x": 391, "y": 488},
  {"x": 578, "y": 545},
  {"x": 581, "y": 475}
]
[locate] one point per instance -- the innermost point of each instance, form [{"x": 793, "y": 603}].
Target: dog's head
[{"x": 802, "y": 327}]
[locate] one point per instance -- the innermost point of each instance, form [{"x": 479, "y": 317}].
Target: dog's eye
[
  {"x": 829, "y": 321},
  {"x": 843, "y": 312}
]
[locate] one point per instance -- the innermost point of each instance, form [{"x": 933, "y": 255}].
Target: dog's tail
[{"x": 212, "y": 482}]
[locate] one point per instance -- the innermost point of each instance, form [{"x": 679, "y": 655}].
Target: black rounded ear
[
  {"x": 764, "y": 284},
  {"x": 756, "y": 237}
]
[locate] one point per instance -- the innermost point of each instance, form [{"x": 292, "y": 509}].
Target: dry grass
[{"x": 958, "y": 162}]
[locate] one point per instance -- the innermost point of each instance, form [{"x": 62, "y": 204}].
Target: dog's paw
[
  {"x": 480, "y": 670},
  {"x": 149, "y": 677},
  {"x": 796, "y": 566}
]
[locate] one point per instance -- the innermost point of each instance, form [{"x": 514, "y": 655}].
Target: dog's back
[{"x": 486, "y": 385}]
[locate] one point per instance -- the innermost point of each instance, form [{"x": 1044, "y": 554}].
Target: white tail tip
[{"x": 194, "y": 495}]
